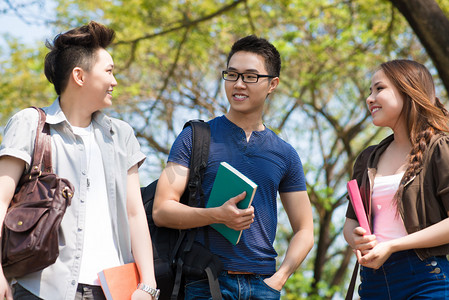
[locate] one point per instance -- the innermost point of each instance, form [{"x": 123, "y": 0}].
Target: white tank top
[{"x": 387, "y": 223}]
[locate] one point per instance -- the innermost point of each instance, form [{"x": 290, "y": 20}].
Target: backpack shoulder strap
[
  {"x": 198, "y": 164},
  {"x": 198, "y": 160}
]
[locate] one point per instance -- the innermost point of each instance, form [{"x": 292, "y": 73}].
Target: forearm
[
  {"x": 300, "y": 245},
  {"x": 173, "y": 214},
  {"x": 168, "y": 211},
  {"x": 348, "y": 231},
  {"x": 432, "y": 236},
  {"x": 142, "y": 248},
  {"x": 299, "y": 212},
  {"x": 11, "y": 169}
]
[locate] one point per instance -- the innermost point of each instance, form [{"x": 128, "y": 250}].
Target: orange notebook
[
  {"x": 119, "y": 283},
  {"x": 357, "y": 204}
]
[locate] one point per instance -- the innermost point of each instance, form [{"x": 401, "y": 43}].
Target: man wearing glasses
[{"x": 241, "y": 139}]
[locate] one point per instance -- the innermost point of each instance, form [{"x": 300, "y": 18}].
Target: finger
[
  {"x": 358, "y": 254},
  {"x": 370, "y": 237},
  {"x": 365, "y": 246},
  {"x": 364, "y": 252},
  {"x": 245, "y": 226},
  {"x": 247, "y": 213},
  {"x": 238, "y": 198},
  {"x": 359, "y": 231},
  {"x": 248, "y": 223},
  {"x": 250, "y": 210},
  {"x": 245, "y": 221}
]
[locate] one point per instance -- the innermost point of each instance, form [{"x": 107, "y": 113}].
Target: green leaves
[
  {"x": 168, "y": 57},
  {"x": 22, "y": 81}
]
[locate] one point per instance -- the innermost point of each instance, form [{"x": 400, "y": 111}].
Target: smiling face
[
  {"x": 247, "y": 98},
  {"x": 385, "y": 102},
  {"x": 99, "y": 82}
]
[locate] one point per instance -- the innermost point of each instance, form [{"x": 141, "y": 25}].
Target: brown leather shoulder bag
[{"x": 30, "y": 230}]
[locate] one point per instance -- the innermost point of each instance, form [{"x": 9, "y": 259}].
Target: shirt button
[
  {"x": 80, "y": 229},
  {"x": 433, "y": 263},
  {"x": 73, "y": 282}
]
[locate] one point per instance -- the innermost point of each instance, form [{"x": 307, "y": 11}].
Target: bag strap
[
  {"x": 198, "y": 159},
  {"x": 47, "y": 152},
  {"x": 200, "y": 155},
  {"x": 42, "y": 147},
  {"x": 214, "y": 285},
  {"x": 198, "y": 164},
  {"x": 178, "y": 279},
  {"x": 350, "y": 292}
]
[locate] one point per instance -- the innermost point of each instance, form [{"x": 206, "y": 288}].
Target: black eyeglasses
[{"x": 246, "y": 77}]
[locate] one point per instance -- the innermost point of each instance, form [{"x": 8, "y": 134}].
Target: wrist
[
  {"x": 394, "y": 246},
  {"x": 149, "y": 290},
  {"x": 281, "y": 276},
  {"x": 213, "y": 214}
]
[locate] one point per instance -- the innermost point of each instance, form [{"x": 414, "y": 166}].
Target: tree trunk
[{"x": 431, "y": 26}]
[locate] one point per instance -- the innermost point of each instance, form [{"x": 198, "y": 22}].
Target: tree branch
[{"x": 184, "y": 23}]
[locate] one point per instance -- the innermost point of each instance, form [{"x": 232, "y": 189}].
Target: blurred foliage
[{"x": 169, "y": 55}]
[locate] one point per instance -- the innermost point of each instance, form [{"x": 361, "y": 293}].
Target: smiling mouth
[
  {"x": 375, "y": 109},
  {"x": 240, "y": 97}
]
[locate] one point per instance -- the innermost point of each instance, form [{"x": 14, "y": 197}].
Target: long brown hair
[{"x": 424, "y": 114}]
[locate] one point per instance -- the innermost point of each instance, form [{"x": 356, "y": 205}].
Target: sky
[{"x": 28, "y": 25}]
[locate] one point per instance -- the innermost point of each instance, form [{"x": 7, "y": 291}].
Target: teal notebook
[{"x": 229, "y": 183}]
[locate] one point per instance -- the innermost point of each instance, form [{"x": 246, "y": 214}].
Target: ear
[
  {"x": 273, "y": 84},
  {"x": 78, "y": 76}
]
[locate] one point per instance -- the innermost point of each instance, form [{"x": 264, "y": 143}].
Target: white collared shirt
[{"x": 120, "y": 151}]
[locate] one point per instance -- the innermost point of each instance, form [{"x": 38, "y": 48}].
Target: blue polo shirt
[{"x": 271, "y": 163}]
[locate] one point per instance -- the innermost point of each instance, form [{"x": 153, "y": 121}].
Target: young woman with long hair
[{"x": 404, "y": 183}]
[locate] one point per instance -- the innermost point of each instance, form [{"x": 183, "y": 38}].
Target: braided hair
[{"x": 424, "y": 113}]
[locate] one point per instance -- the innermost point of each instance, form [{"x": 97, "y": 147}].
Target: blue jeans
[
  {"x": 405, "y": 276},
  {"x": 233, "y": 287}
]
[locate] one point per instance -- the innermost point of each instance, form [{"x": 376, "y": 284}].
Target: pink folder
[{"x": 357, "y": 204}]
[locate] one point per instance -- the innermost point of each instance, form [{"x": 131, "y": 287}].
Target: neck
[
  {"x": 402, "y": 141},
  {"x": 247, "y": 123},
  {"x": 76, "y": 114},
  {"x": 401, "y": 136}
]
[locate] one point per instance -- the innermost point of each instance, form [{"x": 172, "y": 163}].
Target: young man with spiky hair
[
  {"x": 105, "y": 225},
  {"x": 240, "y": 138}
]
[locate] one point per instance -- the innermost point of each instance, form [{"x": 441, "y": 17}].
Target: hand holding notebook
[{"x": 229, "y": 183}]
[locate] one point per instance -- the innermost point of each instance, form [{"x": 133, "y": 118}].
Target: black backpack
[{"x": 175, "y": 252}]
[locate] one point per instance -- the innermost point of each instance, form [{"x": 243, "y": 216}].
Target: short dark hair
[
  {"x": 261, "y": 47},
  {"x": 74, "y": 48}
]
